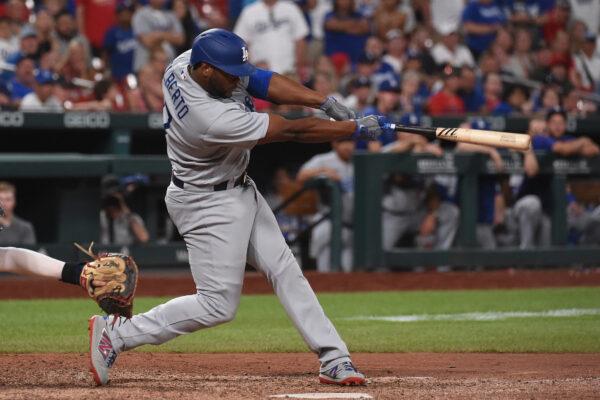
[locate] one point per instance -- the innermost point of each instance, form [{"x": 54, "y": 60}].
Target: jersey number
[{"x": 167, "y": 117}]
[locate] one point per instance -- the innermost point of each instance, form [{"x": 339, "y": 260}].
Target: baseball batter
[{"x": 210, "y": 128}]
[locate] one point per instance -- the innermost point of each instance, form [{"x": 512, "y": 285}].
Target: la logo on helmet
[{"x": 244, "y": 54}]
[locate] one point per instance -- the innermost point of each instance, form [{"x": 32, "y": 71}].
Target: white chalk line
[
  {"x": 482, "y": 316},
  {"x": 322, "y": 396}
]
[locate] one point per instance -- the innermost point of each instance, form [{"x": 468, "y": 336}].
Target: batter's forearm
[
  {"x": 283, "y": 90},
  {"x": 306, "y": 130},
  {"x": 317, "y": 130}
]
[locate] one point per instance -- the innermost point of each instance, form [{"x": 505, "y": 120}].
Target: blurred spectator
[
  {"x": 489, "y": 64},
  {"x": 559, "y": 142},
  {"x": 325, "y": 84},
  {"x": 148, "y": 96},
  {"x": 471, "y": 91},
  {"x": 106, "y": 98},
  {"x": 413, "y": 93},
  {"x": 155, "y": 27},
  {"x": 521, "y": 62},
  {"x": 420, "y": 213},
  {"x": 388, "y": 17},
  {"x": 543, "y": 57},
  {"x": 556, "y": 20},
  {"x": 360, "y": 95},
  {"x": 536, "y": 186},
  {"x": 190, "y": 21},
  {"x": 16, "y": 231},
  {"x": 375, "y": 47},
  {"x": 502, "y": 46},
  {"x": 587, "y": 64},
  {"x": 28, "y": 45},
  {"x": 275, "y": 30},
  {"x": 419, "y": 48},
  {"x": 42, "y": 99},
  {"x": 524, "y": 224},
  {"x": 447, "y": 101},
  {"x": 346, "y": 31},
  {"x": 120, "y": 44},
  {"x": 44, "y": 26},
  {"x": 528, "y": 13},
  {"x": 550, "y": 100},
  {"x": 490, "y": 204},
  {"x": 55, "y": 7},
  {"x": 446, "y": 14},
  {"x": 575, "y": 105},
  {"x": 8, "y": 42},
  {"x": 449, "y": 50},
  {"x": 336, "y": 165},
  {"x": 118, "y": 224},
  {"x": 66, "y": 32},
  {"x": 588, "y": 12},
  {"x": 481, "y": 21},
  {"x": 17, "y": 12},
  {"x": 76, "y": 62},
  {"x": 577, "y": 32},
  {"x": 517, "y": 102},
  {"x": 492, "y": 93},
  {"x": 395, "y": 56},
  {"x": 22, "y": 82},
  {"x": 94, "y": 18},
  {"x": 386, "y": 104}
]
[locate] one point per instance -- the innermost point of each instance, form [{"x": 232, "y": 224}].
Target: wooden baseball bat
[{"x": 516, "y": 141}]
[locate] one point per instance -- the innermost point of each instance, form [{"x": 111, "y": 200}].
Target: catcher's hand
[{"x": 110, "y": 280}]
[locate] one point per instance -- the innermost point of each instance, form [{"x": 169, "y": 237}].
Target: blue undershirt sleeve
[{"x": 258, "y": 84}]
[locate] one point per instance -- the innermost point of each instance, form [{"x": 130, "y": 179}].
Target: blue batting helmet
[{"x": 222, "y": 49}]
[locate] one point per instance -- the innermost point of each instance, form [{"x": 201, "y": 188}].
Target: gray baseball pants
[{"x": 222, "y": 231}]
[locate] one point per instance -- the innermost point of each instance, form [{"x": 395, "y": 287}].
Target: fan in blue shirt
[
  {"x": 346, "y": 31},
  {"x": 481, "y": 20},
  {"x": 120, "y": 43}
]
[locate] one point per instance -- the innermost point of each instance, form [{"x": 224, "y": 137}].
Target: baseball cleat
[
  {"x": 102, "y": 353},
  {"x": 344, "y": 374}
]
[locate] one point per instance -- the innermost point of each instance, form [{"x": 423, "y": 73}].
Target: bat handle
[{"x": 429, "y": 133}]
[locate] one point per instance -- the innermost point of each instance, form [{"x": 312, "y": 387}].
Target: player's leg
[
  {"x": 216, "y": 227},
  {"x": 447, "y": 224},
  {"x": 320, "y": 245},
  {"x": 528, "y": 211},
  {"x": 268, "y": 252}
]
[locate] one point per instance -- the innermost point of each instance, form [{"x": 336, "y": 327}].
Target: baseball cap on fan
[{"x": 224, "y": 50}]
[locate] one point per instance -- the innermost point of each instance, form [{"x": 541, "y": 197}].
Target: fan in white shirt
[
  {"x": 587, "y": 63},
  {"x": 275, "y": 31},
  {"x": 449, "y": 50},
  {"x": 41, "y": 99}
]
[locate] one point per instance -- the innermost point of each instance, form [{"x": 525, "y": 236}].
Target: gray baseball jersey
[{"x": 209, "y": 141}]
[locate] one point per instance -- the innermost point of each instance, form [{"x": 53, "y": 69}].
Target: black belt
[{"x": 217, "y": 188}]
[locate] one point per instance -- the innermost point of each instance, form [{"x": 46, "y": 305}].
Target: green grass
[{"x": 261, "y": 324}]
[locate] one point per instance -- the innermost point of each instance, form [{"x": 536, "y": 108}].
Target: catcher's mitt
[{"x": 110, "y": 280}]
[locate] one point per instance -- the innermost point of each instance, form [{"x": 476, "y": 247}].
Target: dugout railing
[{"x": 371, "y": 169}]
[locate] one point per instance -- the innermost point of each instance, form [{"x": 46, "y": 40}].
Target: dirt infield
[
  {"x": 180, "y": 282},
  {"x": 257, "y": 376}
]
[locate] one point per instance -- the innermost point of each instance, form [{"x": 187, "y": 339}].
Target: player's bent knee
[{"x": 222, "y": 307}]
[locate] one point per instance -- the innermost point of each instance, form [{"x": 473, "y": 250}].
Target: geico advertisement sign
[
  {"x": 87, "y": 120},
  {"x": 13, "y": 119}
]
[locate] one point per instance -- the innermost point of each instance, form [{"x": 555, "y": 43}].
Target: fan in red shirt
[
  {"x": 94, "y": 18},
  {"x": 447, "y": 101}
]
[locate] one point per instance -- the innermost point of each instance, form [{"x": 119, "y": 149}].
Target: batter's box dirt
[{"x": 258, "y": 376}]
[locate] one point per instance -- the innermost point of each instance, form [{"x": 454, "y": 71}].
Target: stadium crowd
[
  {"x": 492, "y": 57},
  {"x": 399, "y": 58}
]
